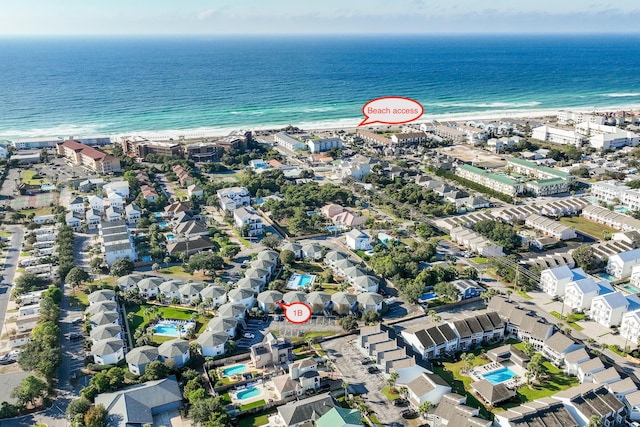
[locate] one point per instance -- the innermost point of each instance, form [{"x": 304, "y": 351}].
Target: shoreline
[{"x": 77, "y": 131}]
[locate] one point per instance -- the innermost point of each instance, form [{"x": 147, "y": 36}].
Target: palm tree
[
  {"x": 345, "y": 386},
  {"x": 393, "y": 377},
  {"x": 180, "y": 329},
  {"x": 435, "y": 317},
  {"x": 404, "y": 391},
  {"x": 310, "y": 342},
  {"x": 425, "y": 408},
  {"x": 529, "y": 376},
  {"x": 595, "y": 421},
  {"x": 362, "y": 407},
  {"x": 161, "y": 296},
  {"x": 516, "y": 380},
  {"x": 509, "y": 292},
  {"x": 467, "y": 361}
]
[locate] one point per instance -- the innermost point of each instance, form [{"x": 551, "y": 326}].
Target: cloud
[{"x": 206, "y": 14}]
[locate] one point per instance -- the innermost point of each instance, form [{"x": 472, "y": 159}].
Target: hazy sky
[{"x": 122, "y": 17}]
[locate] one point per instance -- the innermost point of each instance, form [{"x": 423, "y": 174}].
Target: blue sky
[{"x": 123, "y": 17}]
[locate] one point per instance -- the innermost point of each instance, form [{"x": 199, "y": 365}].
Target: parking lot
[
  {"x": 285, "y": 329},
  {"x": 346, "y": 358}
]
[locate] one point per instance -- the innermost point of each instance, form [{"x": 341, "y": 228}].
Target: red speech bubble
[
  {"x": 297, "y": 312},
  {"x": 391, "y": 110}
]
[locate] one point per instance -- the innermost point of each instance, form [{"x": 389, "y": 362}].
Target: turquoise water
[
  {"x": 631, "y": 288},
  {"x": 606, "y": 276},
  {"x": 234, "y": 370},
  {"x": 88, "y": 86},
  {"x": 334, "y": 228},
  {"x": 499, "y": 376},
  {"x": 428, "y": 296},
  {"x": 248, "y": 393},
  {"x": 170, "y": 236},
  {"x": 300, "y": 281},
  {"x": 169, "y": 328},
  {"x": 163, "y": 224},
  {"x": 158, "y": 214}
]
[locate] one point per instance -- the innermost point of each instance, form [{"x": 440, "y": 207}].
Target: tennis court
[{"x": 38, "y": 201}]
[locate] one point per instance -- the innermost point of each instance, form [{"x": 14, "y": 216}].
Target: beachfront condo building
[
  {"x": 567, "y": 117},
  {"x": 558, "y": 136},
  {"x": 90, "y": 158}
]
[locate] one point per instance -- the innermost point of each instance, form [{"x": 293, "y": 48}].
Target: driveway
[
  {"x": 346, "y": 358},
  {"x": 285, "y": 329}
]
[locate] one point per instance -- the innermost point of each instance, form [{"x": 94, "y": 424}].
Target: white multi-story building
[
  {"x": 578, "y": 295},
  {"x": 607, "y": 137},
  {"x": 319, "y": 145},
  {"x": 630, "y": 326},
  {"x": 620, "y": 265},
  {"x": 550, "y": 227},
  {"x": 247, "y": 216},
  {"x": 608, "y": 309},
  {"x": 233, "y": 198},
  {"x": 567, "y": 117},
  {"x": 554, "y": 280},
  {"x": 285, "y": 140},
  {"x": 558, "y": 136},
  {"x": 613, "y": 192}
]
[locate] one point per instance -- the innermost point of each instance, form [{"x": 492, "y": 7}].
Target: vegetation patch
[
  {"x": 585, "y": 226},
  {"x": 252, "y": 405}
]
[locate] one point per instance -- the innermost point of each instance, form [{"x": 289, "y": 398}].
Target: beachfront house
[
  {"x": 608, "y": 309},
  {"x": 554, "y": 280},
  {"x": 620, "y": 265}
]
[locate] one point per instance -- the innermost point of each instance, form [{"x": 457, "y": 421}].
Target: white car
[{"x": 249, "y": 335}]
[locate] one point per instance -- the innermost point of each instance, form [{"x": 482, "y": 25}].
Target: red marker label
[
  {"x": 297, "y": 312},
  {"x": 391, "y": 110}
]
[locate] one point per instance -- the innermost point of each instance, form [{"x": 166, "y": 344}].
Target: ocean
[{"x": 107, "y": 86}]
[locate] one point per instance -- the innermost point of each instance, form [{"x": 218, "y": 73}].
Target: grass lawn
[
  {"x": 587, "y": 227},
  {"x": 79, "y": 297},
  {"x": 391, "y": 396},
  {"x": 24, "y": 254},
  {"x": 480, "y": 260},
  {"x": 252, "y": 405},
  {"x": 27, "y": 178},
  {"x": 301, "y": 267},
  {"x": 571, "y": 319},
  {"x": 177, "y": 271},
  {"x": 37, "y": 212},
  {"x": 255, "y": 420},
  {"x": 330, "y": 288},
  {"x": 6, "y": 234},
  {"x": 166, "y": 312},
  {"x": 524, "y": 295},
  {"x": 313, "y": 334}
]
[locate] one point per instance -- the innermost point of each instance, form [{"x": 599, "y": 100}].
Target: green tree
[
  {"x": 348, "y": 323},
  {"x": 205, "y": 261},
  {"x": 393, "y": 377},
  {"x": 271, "y": 241},
  {"x": 208, "y": 410},
  {"x": 287, "y": 257},
  {"x": 122, "y": 267},
  {"x": 370, "y": 317},
  {"x": 528, "y": 348},
  {"x": 467, "y": 361},
  {"x": 76, "y": 276},
  {"x": 595, "y": 421},
  {"x": 435, "y": 317},
  {"x": 96, "y": 416},
  {"x": 156, "y": 370},
  {"x": 425, "y": 408},
  {"x": 78, "y": 406},
  {"x": 29, "y": 391},
  {"x": 585, "y": 258},
  {"x": 447, "y": 291},
  {"x": 29, "y": 282},
  {"x": 230, "y": 251}
]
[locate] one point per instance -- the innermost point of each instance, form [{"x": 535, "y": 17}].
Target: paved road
[{"x": 9, "y": 271}]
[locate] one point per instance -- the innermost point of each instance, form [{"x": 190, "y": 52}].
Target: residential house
[
  {"x": 558, "y": 346},
  {"x": 246, "y": 297},
  {"x": 212, "y": 343},
  {"x": 370, "y": 301},
  {"x": 267, "y": 300},
  {"x": 190, "y": 246},
  {"x": 74, "y": 220},
  {"x": 620, "y": 265},
  {"x": 432, "y": 342},
  {"x": 542, "y": 413},
  {"x": 572, "y": 361},
  {"x": 111, "y": 215},
  {"x": 427, "y": 388},
  {"x": 340, "y": 417},
  {"x": 194, "y": 190},
  {"x": 247, "y": 218},
  {"x": 228, "y": 325},
  {"x": 492, "y": 394},
  {"x": 142, "y": 404},
  {"x": 214, "y": 295},
  {"x": 93, "y": 219},
  {"x": 580, "y": 294},
  {"x": 358, "y": 241},
  {"x": 302, "y": 412},
  {"x": 271, "y": 351},
  {"x": 608, "y": 309},
  {"x": 467, "y": 289},
  {"x": 585, "y": 401},
  {"x": 132, "y": 214},
  {"x": 452, "y": 411},
  {"x": 587, "y": 369},
  {"x": 138, "y": 358},
  {"x": 77, "y": 205},
  {"x": 233, "y": 198},
  {"x": 554, "y": 280},
  {"x": 176, "y": 351},
  {"x": 96, "y": 202},
  {"x": 109, "y": 351}
]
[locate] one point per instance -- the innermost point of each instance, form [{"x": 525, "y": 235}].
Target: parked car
[
  {"x": 365, "y": 361},
  {"x": 249, "y": 335},
  {"x": 373, "y": 370},
  {"x": 75, "y": 336},
  {"x": 77, "y": 321},
  {"x": 409, "y": 414},
  {"x": 400, "y": 402}
]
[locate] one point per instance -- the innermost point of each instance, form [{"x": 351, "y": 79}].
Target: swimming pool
[
  {"x": 163, "y": 224},
  {"x": 630, "y": 288},
  {"x": 499, "y": 376},
  {"x": 158, "y": 214},
  {"x": 234, "y": 370},
  {"x": 169, "y": 236},
  {"x": 300, "y": 281},
  {"x": 606, "y": 276},
  {"x": 169, "y": 328},
  {"x": 428, "y": 297},
  {"x": 621, "y": 209},
  {"x": 334, "y": 228},
  {"x": 248, "y": 393}
]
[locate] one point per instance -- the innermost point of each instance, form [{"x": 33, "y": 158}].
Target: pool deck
[
  {"x": 265, "y": 394},
  {"x": 478, "y": 373}
]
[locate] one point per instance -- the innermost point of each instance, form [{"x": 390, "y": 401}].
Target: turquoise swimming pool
[
  {"x": 630, "y": 288},
  {"x": 169, "y": 328},
  {"x": 248, "y": 393},
  {"x": 234, "y": 370},
  {"x": 499, "y": 376},
  {"x": 300, "y": 281}
]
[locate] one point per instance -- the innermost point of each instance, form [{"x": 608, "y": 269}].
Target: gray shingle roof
[{"x": 306, "y": 409}]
